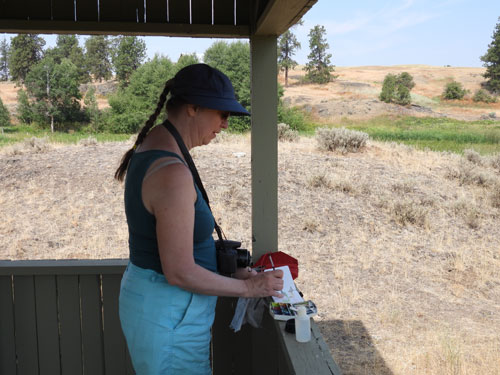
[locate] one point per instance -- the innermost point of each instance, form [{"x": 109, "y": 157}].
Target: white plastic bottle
[{"x": 302, "y": 325}]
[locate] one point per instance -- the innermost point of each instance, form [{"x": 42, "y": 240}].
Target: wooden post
[{"x": 263, "y": 63}]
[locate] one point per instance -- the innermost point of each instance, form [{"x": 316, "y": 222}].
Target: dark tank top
[{"x": 143, "y": 244}]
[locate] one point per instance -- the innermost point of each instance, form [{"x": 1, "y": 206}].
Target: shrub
[
  {"x": 340, "y": 139},
  {"x": 495, "y": 196},
  {"x": 319, "y": 181},
  {"x": 495, "y": 161},
  {"x": 4, "y": 115},
  {"x": 407, "y": 212},
  {"x": 473, "y": 156},
  {"x": 482, "y": 95},
  {"x": 90, "y": 141},
  {"x": 396, "y": 88},
  {"x": 286, "y": 134},
  {"x": 454, "y": 90},
  {"x": 24, "y": 108}
]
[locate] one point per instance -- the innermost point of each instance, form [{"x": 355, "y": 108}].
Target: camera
[{"x": 230, "y": 256}]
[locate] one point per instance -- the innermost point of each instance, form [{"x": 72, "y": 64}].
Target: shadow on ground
[{"x": 352, "y": 348}]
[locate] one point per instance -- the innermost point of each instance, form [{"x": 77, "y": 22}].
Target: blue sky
[{"x": 381, "y": 32}]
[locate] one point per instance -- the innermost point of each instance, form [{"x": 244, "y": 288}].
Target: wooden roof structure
[{"x": 195, "y": 18}]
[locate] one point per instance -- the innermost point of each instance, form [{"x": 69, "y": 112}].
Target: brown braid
[{"x": 122, "y": 169}]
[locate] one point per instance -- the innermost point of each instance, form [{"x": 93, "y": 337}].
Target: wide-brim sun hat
[{"x": 202, "y": 85}]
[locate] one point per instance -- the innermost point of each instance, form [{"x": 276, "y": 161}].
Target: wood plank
[
  {"x": 265, "y": 347},
  {"x": 7, "y": 336},
  {"x": 263, "y": 54},
  {"x": 39, "y": 9},
  {"x": 224, "y": 12},
  {"x": 47, "y": 325},
  {"x": 243, "y": 15},
  {"x": 110, "y": 10},
  {"x": 62, "y": 267},
  {"x": 15, "y": 9},
  {"x": 92, "y": 337},
  {"x": 202, "y": 11},
  {"x": 114, "y": 342},
  {"x": 156, "y": 12},
  {"x": 312, "y": 357},
  {"x": 63, "y": 10},
  {"x": 179, "y": 11},
  {"x": 69, "y": 320},
  {"x": 125, "y": 28},
  {"x": 25, "y": 325},
  {"x": 87, "y": 11}
]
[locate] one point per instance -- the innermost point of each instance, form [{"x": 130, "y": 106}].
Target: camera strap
[{"x": 189, "y": 160}]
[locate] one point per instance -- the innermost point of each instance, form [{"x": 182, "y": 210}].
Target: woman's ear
[{"x": 192, "y": 110}]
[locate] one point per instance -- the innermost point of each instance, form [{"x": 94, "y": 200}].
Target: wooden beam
[
  {"x": 264, "y": 145},
  {"x": 279, "y": 15},
  {"x": 124, "y": 28}
]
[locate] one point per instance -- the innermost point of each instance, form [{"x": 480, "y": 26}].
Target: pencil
[{"x": 272, "y": 263}]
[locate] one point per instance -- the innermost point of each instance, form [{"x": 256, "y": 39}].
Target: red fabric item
[{"x": 279, "y": 259}]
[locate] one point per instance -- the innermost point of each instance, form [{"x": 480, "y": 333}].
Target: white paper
[{"x": 290, "y": 292}]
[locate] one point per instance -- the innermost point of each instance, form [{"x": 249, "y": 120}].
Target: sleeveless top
[{"x": 143, "y": 244}]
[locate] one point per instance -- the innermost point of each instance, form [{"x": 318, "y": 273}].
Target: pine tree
[
  {"x": 4, "y": 115},
  {"x": 67, "y": 47},
  {"x": 98, "y": 56},
  {"x": 492, "y": 61},
  {"x": 128, "y": 55},
  {"x": 4, "y": 60},
  {"x": 287, "y": 46},
  {"x": 25, "y": 52},
  {"x": 318, "y": 67}
]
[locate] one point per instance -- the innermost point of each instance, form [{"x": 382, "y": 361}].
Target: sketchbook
[{"x": 290, "y": 293}]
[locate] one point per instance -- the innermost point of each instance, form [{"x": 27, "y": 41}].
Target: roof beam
[
  {"x": 124, "y": 28},
  {"x": 279, "y": 15}
]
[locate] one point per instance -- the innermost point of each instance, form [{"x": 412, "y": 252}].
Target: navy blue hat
[{"x": 207, "y": 87}]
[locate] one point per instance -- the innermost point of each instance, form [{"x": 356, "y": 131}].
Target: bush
[
  {"x": 286, "y": 134},
  {"x": 4, "y": 115},
  {"x": 473, "y": 156},
  {"x": 454, "y": 90},
  {"x": 396, "y": 88},
  {"x": 24, "y": 108},
  {"x": 340, "y": 139},
  {"x": 482, "y": 95}
]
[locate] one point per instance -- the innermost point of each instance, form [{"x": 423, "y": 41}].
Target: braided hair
[{"x": 172, "y": 104}]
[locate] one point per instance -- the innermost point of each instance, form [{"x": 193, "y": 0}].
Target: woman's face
[{"x": 211, "y": 122}]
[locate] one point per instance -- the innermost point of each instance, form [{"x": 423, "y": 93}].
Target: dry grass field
[{"x": 399, "y": 248}]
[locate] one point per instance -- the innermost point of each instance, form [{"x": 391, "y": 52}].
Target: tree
[
  {"x": 287, "y": 46},
  {"x": 185, "y": 60},
  {"x": 128, "y": 55},
  {"x": 318, "y": 67},
  {"x": 24, "y": 107},
  {"x": 98, "y": 56},
  {"x": 67, "y": 47},
  {"x": 91, "y": 108},
  {"x": 233, "y": 60},
  {"x": 454, "y": 90},
  {"x": 25, "y": 52},
  {"x": 56, "y": 91},
  {"x": 396, "y": 88},
  {"x": 492, "y": 61},
  {"x": 131, "y": 106},
  {"x": 4, "y": 115},
  {"x": 4, "y": 60}
]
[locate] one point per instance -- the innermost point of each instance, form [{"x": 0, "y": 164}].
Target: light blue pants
[{"x": 167, "y": 329}]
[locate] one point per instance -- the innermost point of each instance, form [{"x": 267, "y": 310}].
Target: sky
[{"x": 378, "y": 32}]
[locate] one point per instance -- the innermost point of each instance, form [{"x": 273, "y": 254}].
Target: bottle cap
[{"x": 301, "y": 311}]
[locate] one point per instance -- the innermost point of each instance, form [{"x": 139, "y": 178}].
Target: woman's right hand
[{"x": 265, "y": 284}]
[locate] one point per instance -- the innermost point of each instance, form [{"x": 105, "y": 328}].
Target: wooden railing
[{"x": 61, "y": 317}]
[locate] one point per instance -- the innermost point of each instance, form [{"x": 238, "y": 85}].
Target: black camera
[{"x": 230, "y": 256}]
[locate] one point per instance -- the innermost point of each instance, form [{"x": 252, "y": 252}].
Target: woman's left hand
[{"x": 244, "y": 273}]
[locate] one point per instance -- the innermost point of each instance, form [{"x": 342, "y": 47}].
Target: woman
[{"x": 168, "y": 292}]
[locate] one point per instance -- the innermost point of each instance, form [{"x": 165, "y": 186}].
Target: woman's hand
[
  {"x": 265, "y": 284},
  {"x": 244, "y": 273}
]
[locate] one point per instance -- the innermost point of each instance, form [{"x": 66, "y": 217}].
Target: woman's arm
[{"x": 170, "y": 195}]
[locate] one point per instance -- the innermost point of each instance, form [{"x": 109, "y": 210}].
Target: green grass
[
  {"x": 15, "y": 134},
  {"x": 437, "y": 134}
]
